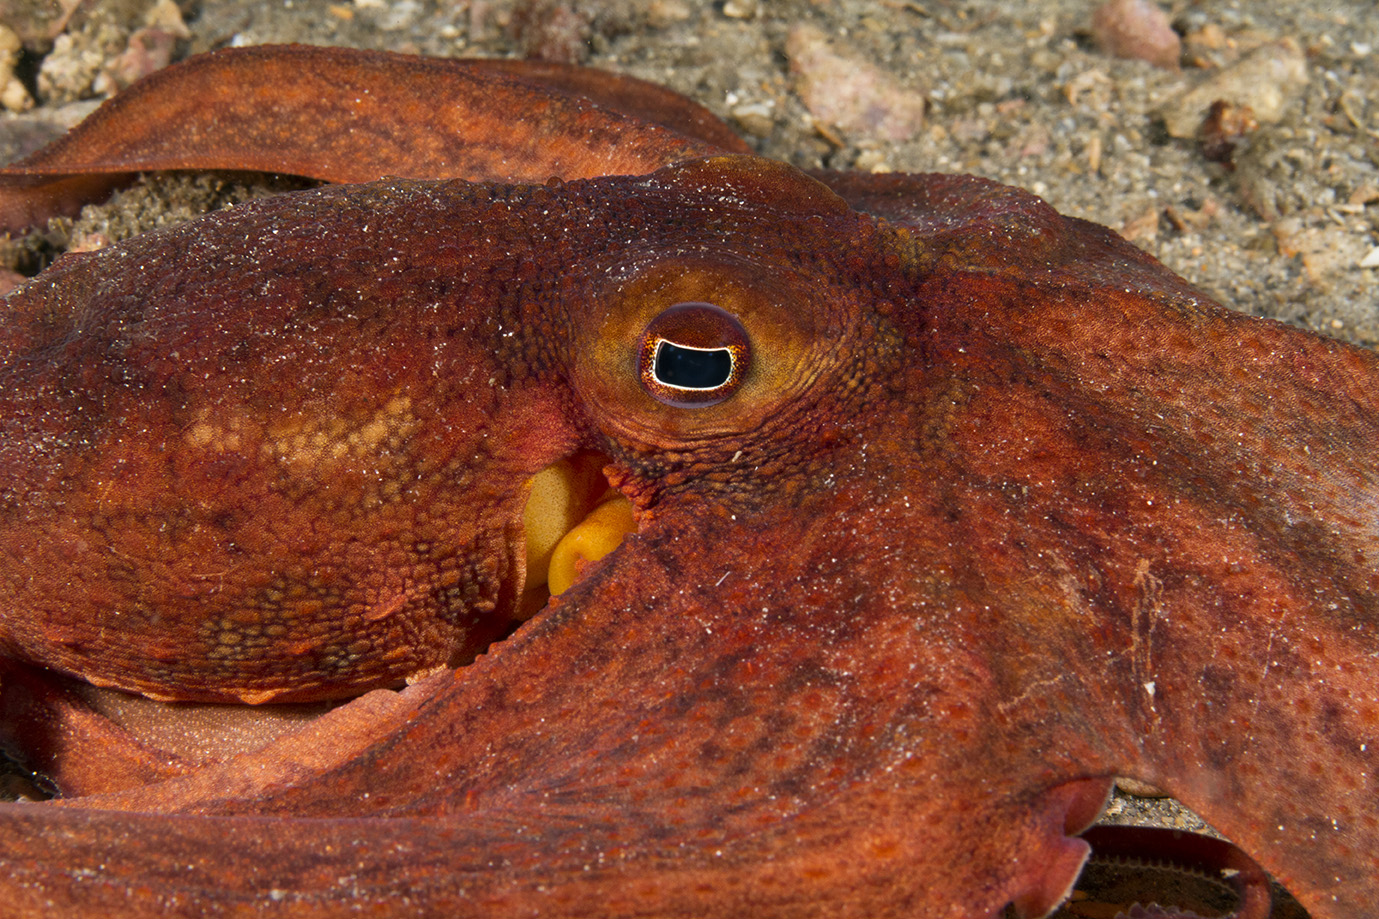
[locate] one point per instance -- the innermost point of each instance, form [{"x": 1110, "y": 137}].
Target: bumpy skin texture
[
  {"x": 1002, "y": 509},
  {"x": 361, "y": 115}
]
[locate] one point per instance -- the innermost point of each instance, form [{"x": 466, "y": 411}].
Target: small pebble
[
  {"x": 1139, "y": 30},
  {"x": 756, "y": 118},
  {"x": 13, "y": 95},
  {"x": 844, "y": 91},
  {"x": 873, "y": 161},
  {"x": 1223, "y": 128},
  {"x": 662, "y": 14},
  {"x": 149, "y": 49},
  {"x": 166, "y": 15},
  {"x": 553, "y": 31},
  {"x": 741, "y": 9},
  {"x": 1139, "y": 789}
]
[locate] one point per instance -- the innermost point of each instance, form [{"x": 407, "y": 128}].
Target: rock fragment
[
  {"x": 844, "y": 91},
  {"x": 1266, "y": 80},
  {"x": 1139, "y": 30},
  {"x": 13, "y": 95},
  {"x": 1225, "y": 126}
]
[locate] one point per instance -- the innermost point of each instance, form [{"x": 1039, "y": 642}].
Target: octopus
[{"x": 565, "y": 512}]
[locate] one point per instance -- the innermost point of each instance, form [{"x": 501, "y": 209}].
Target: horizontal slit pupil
[{"x": 692, "y": 368}]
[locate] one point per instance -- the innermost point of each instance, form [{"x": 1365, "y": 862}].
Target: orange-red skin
[{"x": 1003, "y": 509}]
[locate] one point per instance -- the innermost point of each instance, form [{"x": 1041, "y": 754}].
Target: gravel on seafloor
[{"x": 1287, "y": 225}]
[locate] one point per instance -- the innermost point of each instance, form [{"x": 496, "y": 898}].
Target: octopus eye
[{"x": 693, "y": 355}]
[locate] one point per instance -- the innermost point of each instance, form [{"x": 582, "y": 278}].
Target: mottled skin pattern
[{"x": 1002, "y": 509}]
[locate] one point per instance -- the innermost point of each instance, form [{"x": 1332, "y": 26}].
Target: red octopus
[{"x": 936, "y": 509}]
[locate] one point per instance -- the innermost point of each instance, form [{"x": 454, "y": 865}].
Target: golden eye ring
[{"x": 693, "y": 355}]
